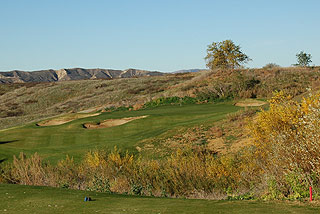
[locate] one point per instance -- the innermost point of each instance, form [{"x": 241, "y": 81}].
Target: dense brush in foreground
[{"x": 182, "y": 174}]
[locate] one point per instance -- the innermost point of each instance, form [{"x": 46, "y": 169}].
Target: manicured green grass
[
  {"x": 31, "y": 199},
  {"x": 55, "y": 142}
]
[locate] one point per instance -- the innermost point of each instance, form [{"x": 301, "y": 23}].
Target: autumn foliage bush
[
  {"x": 183, "y": 174},
  {"x": 287, "y": 144}
]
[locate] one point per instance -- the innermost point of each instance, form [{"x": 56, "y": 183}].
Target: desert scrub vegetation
[{"x": 221, "y": 84}]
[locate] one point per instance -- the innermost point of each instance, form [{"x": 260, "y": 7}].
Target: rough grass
[
  {"x": 223, "y": 136},
  {"x": 55, "y": 142},
  {"x": 31, "y": 199}
]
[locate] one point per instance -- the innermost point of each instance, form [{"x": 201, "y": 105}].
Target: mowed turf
[
  {"x": 31, "y": 199},
  {"x": 55, "y": 142}
]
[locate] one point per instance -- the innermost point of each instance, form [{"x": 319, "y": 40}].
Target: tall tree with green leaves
[
  {"x": 303, "y": 59},
  {"x": 225, "y": 54}
]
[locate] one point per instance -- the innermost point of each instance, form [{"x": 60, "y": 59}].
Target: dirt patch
[
  {"x": 111, "y": 122},
  {"x": 217, "y": 145},
  {"x": 240, "y": 144},
  {"x": 65, "y": 119},
  {"x": 252, "y": 103},
  {"x": 137, "y": 106}
]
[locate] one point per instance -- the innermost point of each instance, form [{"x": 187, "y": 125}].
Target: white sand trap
[
  {"x": 111, "y": 122},
  {"x": 65, "y": 119},
  {"x": 250, "y": 102}
]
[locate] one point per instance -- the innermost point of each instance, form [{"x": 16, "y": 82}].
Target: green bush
[
  {"x": 99, "y": 184},
  {"x": 297, "y": 185},
  {"x": 170, "y": 101},
  {"x": 121, "y": 108}
]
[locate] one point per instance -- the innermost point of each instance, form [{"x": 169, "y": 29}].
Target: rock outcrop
[{"x": 71, "y": 74}]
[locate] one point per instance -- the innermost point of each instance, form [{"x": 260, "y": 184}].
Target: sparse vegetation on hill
[
  {"x": 22, "y": 103},
  {"x": 271, "y": 66}
]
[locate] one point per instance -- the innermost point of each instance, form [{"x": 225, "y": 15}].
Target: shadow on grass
[
  {"x": 3, "y": 160},
  {"x": 9, "y": 141}
]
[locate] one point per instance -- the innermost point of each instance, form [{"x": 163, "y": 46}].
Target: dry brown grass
[
  {"x": 223, "y": 137},
  {"x": 22, "y": 103}
]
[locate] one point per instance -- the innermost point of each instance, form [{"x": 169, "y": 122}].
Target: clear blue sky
[{"x": 164, "y": 35}]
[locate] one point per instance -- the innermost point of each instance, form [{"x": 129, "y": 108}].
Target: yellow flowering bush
[{"x": 287, "y": 138}]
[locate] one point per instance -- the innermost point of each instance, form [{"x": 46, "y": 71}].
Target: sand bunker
[
  {"x": 111, "y": 122},
  {"x": 252, "y": 103},
  {"x": 65, "y": 119}
]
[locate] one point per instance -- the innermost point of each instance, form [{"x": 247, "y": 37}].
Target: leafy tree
[
  {"x": 225, "y": 54},
  {"x": 303, "y": 59}
]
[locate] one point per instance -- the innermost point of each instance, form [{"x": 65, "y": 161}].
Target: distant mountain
[
  {"x": 72, "y": 74},
  {"x": 188, "y": 71}
]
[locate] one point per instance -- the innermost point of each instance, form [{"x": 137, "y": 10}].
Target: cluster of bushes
[
  {"x": 183, "y": 174},
  {"x": 287, "y": 144},
  {"x": 221, "y": 85},
  {"x": 171, "y": 101},
  {"x": 193, "y": 174},
  {"x": 120, "y": 108},
  {"x": 202, "y": 97},
  {"x": 252, "y": 83}
]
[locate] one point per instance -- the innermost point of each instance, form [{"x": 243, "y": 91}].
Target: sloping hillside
[{"x": 26, "y": 102}]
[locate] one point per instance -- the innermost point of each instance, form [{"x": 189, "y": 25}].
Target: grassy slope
[
  {"x": 31, "y": 199},
  {"x": 56, "y": 141}
]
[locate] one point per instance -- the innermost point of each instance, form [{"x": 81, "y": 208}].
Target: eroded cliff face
[{"x": 71, "y": 74}]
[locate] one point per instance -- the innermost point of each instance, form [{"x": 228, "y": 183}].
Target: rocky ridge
[{"x": 71, "y": 74}]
